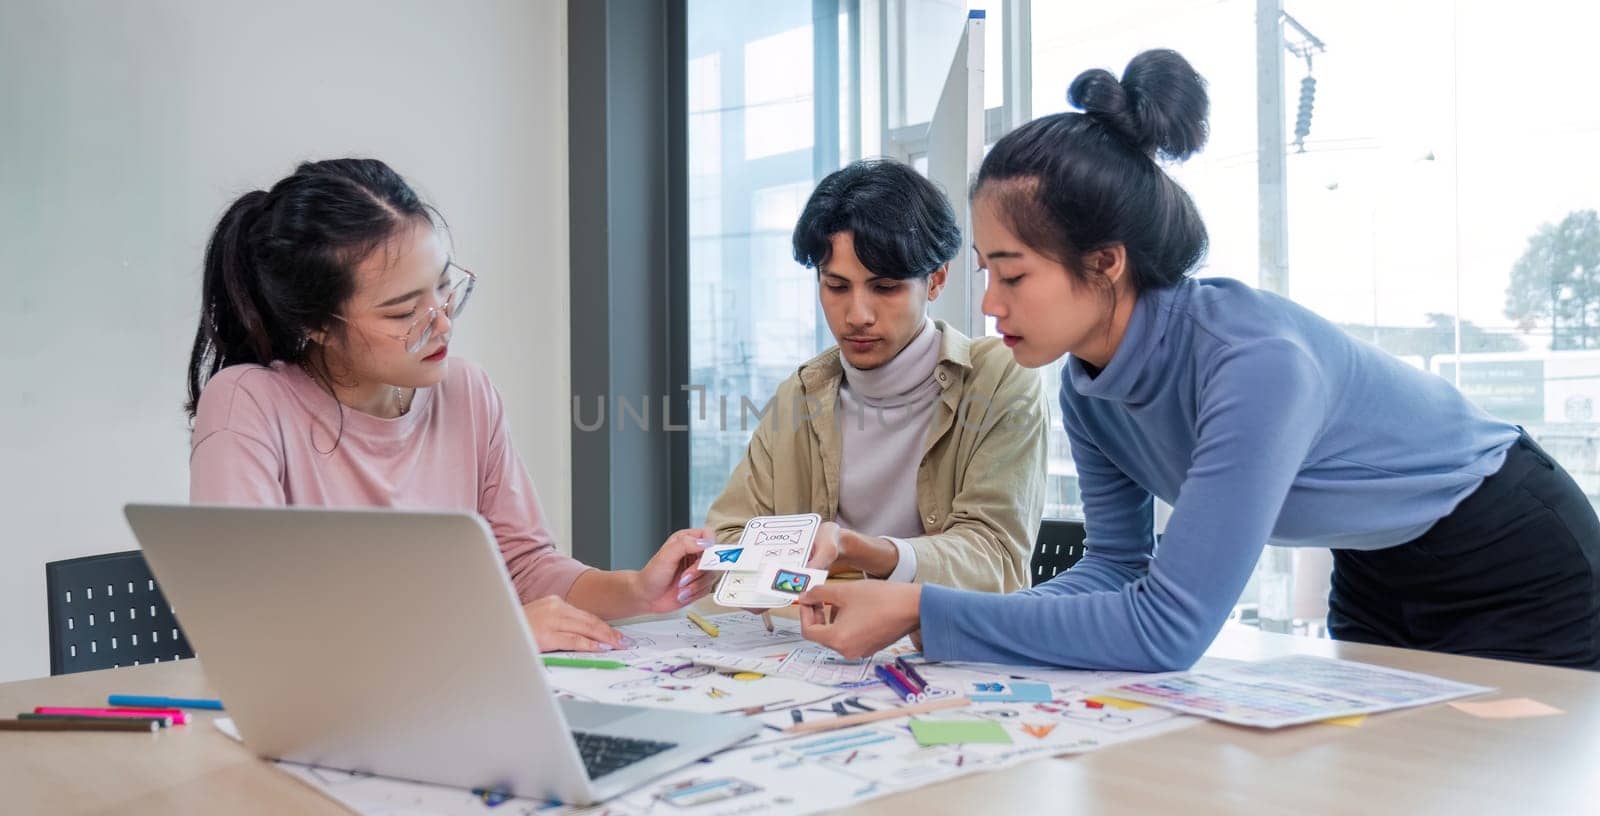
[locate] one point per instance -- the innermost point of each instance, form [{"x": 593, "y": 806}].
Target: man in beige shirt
[{"x": 925, "y": 449}]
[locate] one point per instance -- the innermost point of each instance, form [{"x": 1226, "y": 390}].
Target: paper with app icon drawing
[{"x": 766, "y": 568}]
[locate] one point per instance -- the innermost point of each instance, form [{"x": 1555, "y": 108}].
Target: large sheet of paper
[
  {"x": 1291, "y": 690},
  {"x": 779, "y": 773},
  {"x": 786, "y": 775},
  {"x": 1048, "y": 712}
]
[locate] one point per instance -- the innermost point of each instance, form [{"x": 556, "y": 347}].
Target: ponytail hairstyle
[
  {"x": 1070, "y": 184},
  {"x": 282, "y": 263}
]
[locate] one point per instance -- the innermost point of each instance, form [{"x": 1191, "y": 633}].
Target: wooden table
[{"x": 1428, "y": 760}]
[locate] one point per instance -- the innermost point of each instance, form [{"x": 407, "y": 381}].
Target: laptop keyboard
[{"x": 603, "y": 753}]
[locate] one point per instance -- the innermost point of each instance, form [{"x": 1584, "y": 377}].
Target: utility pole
[{"x": 1271, "y": 174}]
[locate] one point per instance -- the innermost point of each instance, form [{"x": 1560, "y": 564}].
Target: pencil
[
  {"x": 766, "y": 618},
  {"x": 93, "y": 724},
  {"x": 707, "y": 626},
  {"x": 762, "y": 709},
  {"x": 874, "y": 716},
  {"x": 179, "y": 717},
  {"x": 161, "y": 721}
]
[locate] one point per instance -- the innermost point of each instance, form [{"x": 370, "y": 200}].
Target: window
[{"x": 754, "y": 154}]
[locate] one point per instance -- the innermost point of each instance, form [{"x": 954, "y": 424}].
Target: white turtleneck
[{"x": 884, "y": 414}]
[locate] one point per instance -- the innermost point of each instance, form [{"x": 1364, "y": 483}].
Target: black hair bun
[{"x": 1159, "y": 106}]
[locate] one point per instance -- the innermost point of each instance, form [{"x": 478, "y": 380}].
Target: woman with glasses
[{"x": 321, "y": 375}]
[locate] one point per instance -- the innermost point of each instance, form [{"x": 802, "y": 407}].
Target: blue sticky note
[{"x": 1018, "y": 692}]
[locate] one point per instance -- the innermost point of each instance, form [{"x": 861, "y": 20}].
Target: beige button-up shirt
[{"x": 980, "y": 483}]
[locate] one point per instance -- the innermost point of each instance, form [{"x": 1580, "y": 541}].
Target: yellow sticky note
[
  {"x": 1125, "y": 705},
  {"x": 1508, "y": 709},
  {"x": 1352, "y": 721}
]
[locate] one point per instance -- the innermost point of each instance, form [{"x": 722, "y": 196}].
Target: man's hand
[{"x": 838, "y": 549}]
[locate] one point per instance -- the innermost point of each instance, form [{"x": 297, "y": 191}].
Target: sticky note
[
  {"x": 1352, "y": 721},
  {"x": 1508, "y": 709},
  {"x": 1018, "y": 692},
  {"x": 958, "y": 732},
  {"x": 1124, "y": 705}
]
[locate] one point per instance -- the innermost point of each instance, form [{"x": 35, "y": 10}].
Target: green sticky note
[{"x": 957, "y": 732}]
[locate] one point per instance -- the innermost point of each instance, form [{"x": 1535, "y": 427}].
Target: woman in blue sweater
[{"x": 1258, "y": 421}]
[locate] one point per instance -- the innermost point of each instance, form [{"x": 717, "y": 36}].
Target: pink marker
[{"x": 177, "y": 716}]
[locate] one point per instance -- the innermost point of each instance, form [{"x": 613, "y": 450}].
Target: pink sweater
[{"x": 265, "y": 436}]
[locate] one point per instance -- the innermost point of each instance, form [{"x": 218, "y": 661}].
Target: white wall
[{"x": 126, "y": 128}]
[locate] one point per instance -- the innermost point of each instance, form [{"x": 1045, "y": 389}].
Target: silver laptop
[{"x": 392, "y": 643}]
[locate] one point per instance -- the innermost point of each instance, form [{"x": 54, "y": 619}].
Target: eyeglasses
[{"x": 454, "y": 292}]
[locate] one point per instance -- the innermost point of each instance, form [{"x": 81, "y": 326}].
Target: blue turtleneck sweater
[{"x": 1259, "y": 422}]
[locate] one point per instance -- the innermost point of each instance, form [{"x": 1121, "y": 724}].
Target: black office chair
[
  {"x": 1060, "y": 545},
  {"x": 106, "y": 611}
]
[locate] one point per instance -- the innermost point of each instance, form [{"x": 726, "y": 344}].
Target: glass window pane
[
  {"x": 777, "y": 93},
  {"x": 932, "y": 31},
  {"x": 751, "y": 133}
]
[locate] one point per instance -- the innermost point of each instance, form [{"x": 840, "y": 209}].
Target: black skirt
[{"x": 1512, "y": 573}]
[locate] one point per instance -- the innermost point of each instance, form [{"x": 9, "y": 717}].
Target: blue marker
[
  {"x": 894, "y": 684},
  {"x": 141, "y": 701}
]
